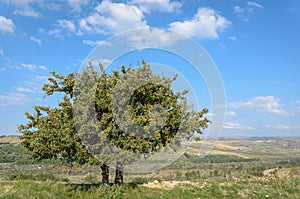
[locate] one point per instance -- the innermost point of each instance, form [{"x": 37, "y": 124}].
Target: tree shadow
[{"x": 89, "y": 186}]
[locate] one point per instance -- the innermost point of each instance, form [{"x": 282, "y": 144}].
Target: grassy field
[
  {"x": 248, "y": 168},
  {"x": 271, "y": 187}
]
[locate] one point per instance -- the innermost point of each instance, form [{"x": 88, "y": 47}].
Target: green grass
[
  {"x": 234, "y": 170},
  {"x": 267, "y": 187}
]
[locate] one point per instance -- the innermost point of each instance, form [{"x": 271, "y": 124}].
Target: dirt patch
[
  {"x": 217, "y": 152},
  {"x": 7, "y": 189},
  {"x": 168, "y": 184},
  {"x": 264, "y": 141}
]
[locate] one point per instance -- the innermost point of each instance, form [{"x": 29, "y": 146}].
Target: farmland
[{"x": 235, "y": 168}]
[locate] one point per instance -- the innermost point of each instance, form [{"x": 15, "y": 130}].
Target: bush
[
  {"x": 191, "y": 175},
  {"x": 11, "y": 153},
  {"x": 140, "y": 180},
  {"x": 91, "y": 179},
  {"x": 256, "y": 171},
  {"x": 37, "y": 177}
]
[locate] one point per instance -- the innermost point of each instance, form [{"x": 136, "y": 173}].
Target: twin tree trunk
[
  {"x": 105, "y": 173},
  {"x": 118, "y": 176}
]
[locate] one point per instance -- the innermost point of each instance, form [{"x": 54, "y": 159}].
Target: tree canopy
[{"x": 116, "y": 116}]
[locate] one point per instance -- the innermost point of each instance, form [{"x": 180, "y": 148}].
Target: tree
[
  {"x": 131, "y": 113},
  {"x": 50, "y": 134}
]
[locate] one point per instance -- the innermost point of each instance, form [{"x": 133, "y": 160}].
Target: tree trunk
[
  {"x": 119, "y": 174},
  {"x": 105, "y": 173}
]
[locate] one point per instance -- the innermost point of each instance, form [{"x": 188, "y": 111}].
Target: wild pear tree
[{"x": 115, "y": 117}]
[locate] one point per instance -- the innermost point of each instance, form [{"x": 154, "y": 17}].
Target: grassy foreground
[
  {"x": 264, "y": 187},
  {"x": 234, "y": 169}
]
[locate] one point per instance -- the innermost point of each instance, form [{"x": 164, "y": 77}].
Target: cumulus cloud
[
  {"x": 112, "y": 17},
  {"x": 39, "y": 77},
  {"x": 6, "y": 25},
  {"x": 266, "y": 104},
  {"x": 205, "y": 24},
  {"x": 77, "y": 5},
  {"x": 63, "y": 25},
  {"x": 150, "y": 37},
  {"x": 236, "y": 126},
  {"x": 35, "y": 40},
  {"x": 244, "y": 13},
  {"x": 30, "y": 86},
  {"x": 105, "y": 62},
  {"x": 230, "y": 113},
  {"x": 42, "y": 67},
  {"x": 96, "y": 43},
  {"x": 14, "y": 99},
  {"x": 25, "y": 90},
  {"x": 32, "y": 67},
  {"x": 157, "y": 5},
  {"x": 24, "y": 7},
  {"x": 67, "y": 24},
  {"x": 27, "y": 12}
]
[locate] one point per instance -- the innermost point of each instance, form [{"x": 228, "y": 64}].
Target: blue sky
[{"x": 255, "y": 45}]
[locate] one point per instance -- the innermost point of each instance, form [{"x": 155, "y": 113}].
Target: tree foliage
[
  {"x": 50, "y": 132},
  {"x": 115, "y": 117}
]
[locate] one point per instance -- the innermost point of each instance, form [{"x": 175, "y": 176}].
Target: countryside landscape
[
  {"x": 149, "y": 99},
  {"x": 235, "y": 168}
]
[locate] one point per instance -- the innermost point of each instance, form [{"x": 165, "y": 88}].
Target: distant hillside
[
  {"x": 10, "y": 139},
  {"x": 260, "y": 138}
]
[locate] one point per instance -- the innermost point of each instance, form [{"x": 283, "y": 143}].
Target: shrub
[
  {"x": 91, "y": 179},
  {"x": 36, "y": 177}
]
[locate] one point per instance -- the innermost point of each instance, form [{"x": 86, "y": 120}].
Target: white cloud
[
  {"x": 210, "y": 114},
  {"x": 112, "y": 17},
  {"x": 150, "y": 37},
  {"x": 14, "y": 99},
  {"x": 230, "y": 113},
  {"x": 30, "y": 86},
  {"x": 254, "y": 4},
  {"x": 42, "y": 67},
  {"x": 232, "y": 38},
  {"x": 77, "y": 5},
  {"x": 35, "y": 40},
  {"x": 28, "y": 12},
  {"x": 105, "y": 62},
  {"x": 96, "y": 43},
  {"x": 244, "y": 13},
  {"x": 206, "y": 24},
  {"x": 2, "y": 69},
  {"x": 6, "y": 25},
  {"x": 64, "y": 25},
  {"x": 236, "y": 126},
  {"x": 32, "y": 67},
  {"x": 67, "y": 24},
  {"x": 41, "y": 77},
  {"x": 28, "y": 66},
  {"x": 266, "y": 104},
  {"x": 284, "y": 127},
  {"x": 157, "y": 5},
  {"x": 24, "y": 7},
  {"x": 24, "y": 90}
]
